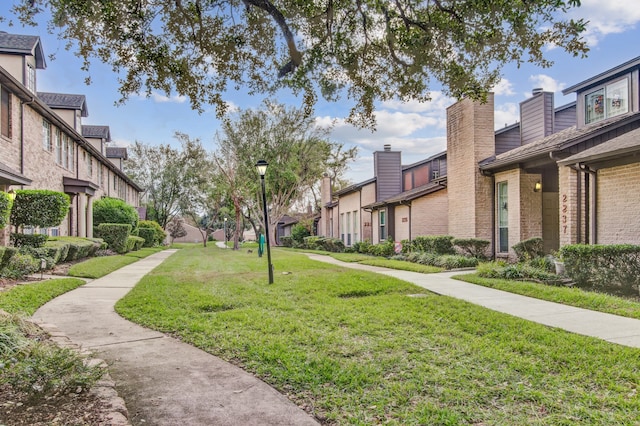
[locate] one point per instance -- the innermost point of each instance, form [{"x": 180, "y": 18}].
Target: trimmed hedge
[
  {"x": 473, "y": 247},
  {"x": 529, "y": 249},
  {"x": 26, "y": 240},
  {"x": 5, "y": 255},
  {"x": 39, "y": 208},
  {"x": 322, "y": 243},
  {"x": 134, "y": 243},
  {"x": 160, "y": 234},
  {"x": 5, "y": 209},
  {"x": 440, "y": 244},
  {"x": 286, "y": 241},
  {"x": 114, "y": 210},
  {"x": 115, "y": 235},
  {"x": 149, "y": 236},
  {"x": 610, "y": 268}
]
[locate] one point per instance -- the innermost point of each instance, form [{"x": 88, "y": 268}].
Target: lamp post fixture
[
  {"x": 225, "y": 232},
  {"x": 262, "y": 169}
]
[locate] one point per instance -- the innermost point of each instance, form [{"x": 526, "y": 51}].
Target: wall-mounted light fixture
[{"x": 537, "y": 187}]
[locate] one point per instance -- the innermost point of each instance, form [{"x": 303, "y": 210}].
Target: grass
[
  {"x": 360, "y": 348},
  {"x": 385, "y": 263},
  {"x": 26, "y": 299},
  {"x": 568, "y": 296},
  {"x": 144, "y": 252},
  {"x": 97, "y": 267}
]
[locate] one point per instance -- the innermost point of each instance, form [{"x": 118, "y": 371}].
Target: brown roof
[
  {"x": 116, "y": 152},
  {"x": 65, "y": 101},
  {"x": 23, "y": 45},
  {"x": 622, "y": 145},
  {"x": 411, "y": 194},
  {"x": 100, "y": 132},
  {"x": 9, "y": 176}
]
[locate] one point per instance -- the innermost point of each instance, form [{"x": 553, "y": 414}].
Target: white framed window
[
  {"x": 5, "y": 113},
  {"x": 503, "y": 217},
  {"x": 47, "y": 143},
  {"x": 382, "y": 219},
  {"x": 31, "y": 78},
  {"x": 355, "y": 226},
  {"x": 58, "y": 142},
  {"x": 65, "y": 152},
  {"x": 607, "y": 101},
  {"x": 72, "y": 155},
  {"x": 348, "y": 229},
  {"x": 89, "y": 165},
  {"x": 342, "y": 228}
]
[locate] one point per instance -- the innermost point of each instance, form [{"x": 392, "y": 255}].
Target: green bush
[
  {"x": 384, "y": 249},
  {"x": 610, "y": 268},
  {"x": 286, "y": 241},
  {"x": 322, "y": 243},
  {"x": 19, "y": 266},
  {"x": 299, "y": 233},
  {"x": 529, "y": 249},
  {"x": 517, "y": 271},
  {"x": 361, "y": 247},
  {"x": 39, "y": 208},
  {"x": 116, "y": 236},
  {"x": 51, "y": 255},
  {"x": 5, "y": 254},
  {"x": 455, "y": 261},
  {"x": 134, "y": 243},
  {"x": 26, "y": 240},
  {"x": 149, "y": 236},
  {"x": 473, "y": 247},
  {"x": 114, "y": 210},
  {"x": 440, "y": 244},
  {"x": 152, "y": 224},
  {"x": 5, "y": 209}
]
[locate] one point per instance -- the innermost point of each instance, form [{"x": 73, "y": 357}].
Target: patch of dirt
[{"x": 84, "y": 408}]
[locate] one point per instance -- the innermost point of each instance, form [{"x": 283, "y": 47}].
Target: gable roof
[
  {"x": 411, "y": 194},
  {"x": 116, "y": 152},
  {"x": 65, "y": 101},
  {"x": 627, "y": 144},
  {"x": 17, "y": 44},
  {"x": 607, "y": 75},
  {"x": 100, "y": 132},
  {"x": 557, "y": 141}
]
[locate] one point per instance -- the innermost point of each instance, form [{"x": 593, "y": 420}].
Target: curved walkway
[
  {"x": 612, "y": 328},
  {"x": 162, "y": 380}
]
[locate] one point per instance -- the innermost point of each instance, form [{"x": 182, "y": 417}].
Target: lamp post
[
  {"x": 262, "y": 169},
  {"x": 225, "y": 232}
]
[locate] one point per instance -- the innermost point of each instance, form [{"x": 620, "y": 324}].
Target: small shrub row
[
  {"x": 28, "y": 240},
  {"x": 333, "y": 245},
  {"x": 440, "y": 244},
  {"x": 529, "y": 249},
  {"x": 610, "y": 268},
  {"x": 446, "y": 261},
  {"x": 523, "y": 271}
]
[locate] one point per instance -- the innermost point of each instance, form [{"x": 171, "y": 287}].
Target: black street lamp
[
  {"x": 262, "y": 169},
  {"x": 225, "y": 232}
]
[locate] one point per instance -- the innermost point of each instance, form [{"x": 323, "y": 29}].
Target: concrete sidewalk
[
  {"x": 612, "y": 328},
  {"x": 162, "y": 380}
]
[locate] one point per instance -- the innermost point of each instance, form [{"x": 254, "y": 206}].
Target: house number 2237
[{"x": 564, "y": 213}]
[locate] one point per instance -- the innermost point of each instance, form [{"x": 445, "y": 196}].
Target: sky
[{"x": 418, "y": 130}]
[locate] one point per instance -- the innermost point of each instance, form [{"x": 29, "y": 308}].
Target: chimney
[
  {"x": 387, "y": 167},
  {"x": 536, "y": 116}
]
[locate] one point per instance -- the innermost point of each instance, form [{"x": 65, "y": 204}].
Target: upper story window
[
  {"x": 58, "y": 143},
  {"x": 89, "y": 165},
  {"x": 47, "y": 142},
  {"x": 5, "y": 113},
  {"x": 31, "y": 79},
  {"x": 607, "y": 101}
]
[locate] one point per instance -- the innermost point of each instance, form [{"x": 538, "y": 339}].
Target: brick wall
[
  {"x": 567, "y": 179},
  {"x": 618, "y": 198},
  {"x": 402, "y": 223},
  {"x": 470, "y": 138},
  {"x": 430, "y": 214}
]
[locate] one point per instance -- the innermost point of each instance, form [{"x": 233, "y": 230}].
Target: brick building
[
  {"x": 43, "y": 144},
  {"x": 569, "y": 174}
]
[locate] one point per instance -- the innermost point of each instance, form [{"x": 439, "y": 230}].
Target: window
[
  {"x": 99, "y": 174},
  {"x": 503, "y": 218},
  {"x": 89, "y": 165},
  {"x": 47, "y": 143},
  {"x": 65, "y": 151},
  {"x": 58, "y": 141},
  {"x": 383, "y": 224},
  {"x": 607, "y": 101},
  {"x": 72, "y": 152},
  {"x": 5, "y": 112},
  {"x": 348, "y": 243},
  {"x": 31, "y": 79},
  {"x": 355, "y": 226},
  {"x": 342, "y": 227}
]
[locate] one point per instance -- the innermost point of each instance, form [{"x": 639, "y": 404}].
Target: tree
[
  {"x": 39, "y": 207},
  {"x": 370, "y": 49},
  {"x": 298, "y": 153},
  {"x": 169, "y": 175},
  {"x": 176, "y": 229},
  {"x": 114, "y": 210}
]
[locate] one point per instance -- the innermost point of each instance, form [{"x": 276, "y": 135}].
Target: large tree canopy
[{"x": 373, "y": 49}]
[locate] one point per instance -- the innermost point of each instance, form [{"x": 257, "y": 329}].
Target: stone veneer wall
[{"x": 470, "y": 138}]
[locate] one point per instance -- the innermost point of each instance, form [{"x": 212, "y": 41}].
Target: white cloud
[
  {"x": 120, "y": 143},
  {"x": 607, "y": 17},
  {"x": 506, "y": 115},
  {"x": 160, "y": 98},
  {"x": 504, "y": 88},
  {"x": 548, "y": 84}
]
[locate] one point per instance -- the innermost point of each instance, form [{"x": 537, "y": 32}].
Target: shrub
[
  {"x": 517, "y": 271},
  {"x": 25, "y": 240},
  {"x": 454, "y": 261},
  {"x": 5, "y": 254},
  {"x": 39, "y": 208},
  {"x": 115, "y": 235},
  {"x": 159, "y": 232},
  {"x": 361, "y": 247},
  {"x": 5, "y": 209},
  {"x": 299, "y": 233},
  {"x": 114, "y": 210},
  {"x": 322, "y": 243},
  {"x": 440, "y": 244},
  {"x": 134, "y": 243},
  {"x": 610, "y": 268},
  {"x": 529, "y": 249},
  {"x": 384, "y": 249},
  {"x": 473, "y": 247},
  {"x": 20, "y": 265},
  {"x": 149, "y": 236},
  {"x": 286, "y": 241}
]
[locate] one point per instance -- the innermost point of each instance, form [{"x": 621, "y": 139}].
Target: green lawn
[
  {"x": 27, "y": 298},
  {"x": 100, "y": 266},
  {"x": 360, "y": 348}
]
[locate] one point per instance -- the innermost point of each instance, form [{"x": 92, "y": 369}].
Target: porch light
[
  {"x": 12, "y": 194},
  {"x": 537, "y": 187}
]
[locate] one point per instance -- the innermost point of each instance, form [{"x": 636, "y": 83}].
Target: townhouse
[
  {"x": 568, "y": 174},
  {"x": 44, "y": 145}
]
